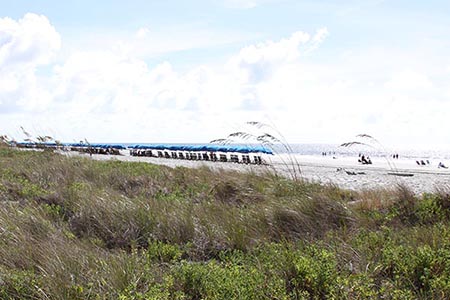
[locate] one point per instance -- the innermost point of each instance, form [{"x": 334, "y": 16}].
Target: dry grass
[
  {"x": 269, "y": 137},
  {"x": 73, "y": 228},
  {"x": 124, "y": 203}
]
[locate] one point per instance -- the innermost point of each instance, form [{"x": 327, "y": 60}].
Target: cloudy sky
[{"x": 193, "y": 71}]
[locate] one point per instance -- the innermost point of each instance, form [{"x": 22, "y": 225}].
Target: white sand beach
[
  {"x": 333, "y": 170},
  {"x": 328, "y": 170}
]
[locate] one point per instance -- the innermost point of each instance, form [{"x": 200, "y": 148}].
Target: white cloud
[
  {"x": 318, "y": 39},
  {"x": 409, "y": 80},
  {"x": 98, "y": 81},
  {"x": 255, "y": 63},
  {"x": 145, "y": 43},
  {"x": 29, "y": 42},
  {"x": 107, "y": 93},
  {"x": 142, "y": 32},
  {"x": 24, "y": 46}
]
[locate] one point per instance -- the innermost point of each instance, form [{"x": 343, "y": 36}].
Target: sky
[{"x": 193, "y": 71}]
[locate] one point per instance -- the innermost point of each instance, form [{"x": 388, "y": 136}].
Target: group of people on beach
[
  {"x": 329, "y": 153},
  {"x": 427, "y": 162},
  {"x": 423, "y": 163},
  {"x": 365, "y": 160}
]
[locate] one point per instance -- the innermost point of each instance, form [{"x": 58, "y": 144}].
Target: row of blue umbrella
[
  {"x": 103, "y": 146},
  {"x": 204, "y": 148}
]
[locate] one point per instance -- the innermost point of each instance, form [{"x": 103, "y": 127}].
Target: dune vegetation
[{"x": 76, "y": 228}]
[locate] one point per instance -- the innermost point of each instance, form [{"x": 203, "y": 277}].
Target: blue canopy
[
  {"x": 103, "y": 146},
  {"x": 205, "y": 148},
  {"x": 169, "y": 147}
]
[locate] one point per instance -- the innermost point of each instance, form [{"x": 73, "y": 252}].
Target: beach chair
[
  {"x": 441, "y": 165},
  {"x": 257, "y": 160}
]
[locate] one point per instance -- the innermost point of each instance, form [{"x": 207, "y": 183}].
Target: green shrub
[
  {"x": 224, "y": 281},
  {"x": 15, "y": 284},
  {"x": 163, "y": 252},
  {"x": 315, "y": 273},
  {"x": 429, "y": 209}
]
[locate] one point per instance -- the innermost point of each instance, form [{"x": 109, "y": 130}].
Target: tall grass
[
  {"x": 371, "y": 142},
  {"x": 270, "y": 137},
  {"x": 74, "y": 228}
]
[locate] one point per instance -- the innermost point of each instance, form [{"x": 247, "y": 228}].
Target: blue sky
[{"x": 193, "y": 71}]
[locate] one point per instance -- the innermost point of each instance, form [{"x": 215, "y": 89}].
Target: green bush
[
  {"x": 429, "y": 209},
  {"x": 15, "y": 284},
  {"x": 163, "y": 252},
  {"x": 214, "y": 280},
  {"x": 315, "y": 273}
]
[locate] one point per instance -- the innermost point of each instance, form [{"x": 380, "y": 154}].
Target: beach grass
[
  {"x": 270, "y": 137},
  {"x": 76, "y": 228}
]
